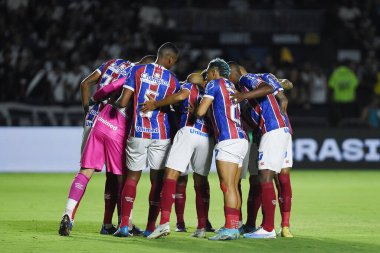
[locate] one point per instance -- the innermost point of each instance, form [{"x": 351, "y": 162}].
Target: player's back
[
  {"x": 112, "y": 70},
  {"x": 151, "y": 81},
  {"x": 188, "y": 118},
  {"x": 266, "y": 110},
  {"x": 225, "y": 112}
]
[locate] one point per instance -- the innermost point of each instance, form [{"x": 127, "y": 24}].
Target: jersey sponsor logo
[
  {"x": 154, "y": 80},
  {"x": 147, "y": 130},
  {"x": 195, "y": 131},
  {"x": 105, "y": 122},
  {"x": 260, "y": 155}
]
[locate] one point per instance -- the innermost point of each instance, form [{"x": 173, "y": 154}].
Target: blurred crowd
[{"x": 48, "y": 47}]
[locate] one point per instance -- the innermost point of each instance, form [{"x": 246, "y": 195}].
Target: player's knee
[{"x": 223, "y": 187}]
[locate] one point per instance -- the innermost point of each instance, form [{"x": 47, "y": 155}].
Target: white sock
[{"x": 70, "y": 206}]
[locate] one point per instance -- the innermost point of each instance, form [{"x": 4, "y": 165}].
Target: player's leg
[
  {"x": 286, "y": 191},
  {"x": 92, "y": 159},
  {"x": 156, "y": 181},
  {"x": 254, "y": 196},
  {"x": 110, "y": 201},
  {"x": 201, "y": 163},
  {"x": 253, "y": 203},
  {"x": 175, "y": 165},
  {"x": 180, "y": 202},
  {"x": 136, "y": 157},
  {"x": 202, "y": 200},
  {"x": 128, "y": 196},
  {"x": 286, "y": 201},
  {"x": 227, "y": 172},
  {"x": 272, "y": 150}
]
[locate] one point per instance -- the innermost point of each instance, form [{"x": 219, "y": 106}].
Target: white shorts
[
  {"x": 233, "y": 150},
  {"x": 273, "y": 149},
  {"x": 250, "y": 161},
  {"x": 288, "y": 161},
  {"x": 142, "y": 153},
  {"x": 191, "y": 148}
]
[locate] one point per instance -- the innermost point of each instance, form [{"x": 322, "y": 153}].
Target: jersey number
[{"x": 149, "y": 94}]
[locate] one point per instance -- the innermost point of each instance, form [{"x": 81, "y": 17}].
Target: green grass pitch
[{"x": 333, "y": 211}]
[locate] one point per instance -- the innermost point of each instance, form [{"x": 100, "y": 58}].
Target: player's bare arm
[
  {"x": 203, "y": 107},
  {"x": 89, "y": 81},
  {"x": 283, "y": 101},
  {"x": 124, "y": 98},
  {"x": 263, "y": 90},
  {"x": 152, "y": 104}
]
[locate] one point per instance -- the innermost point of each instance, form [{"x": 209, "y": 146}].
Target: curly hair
[{"x": 221, "y": 65}]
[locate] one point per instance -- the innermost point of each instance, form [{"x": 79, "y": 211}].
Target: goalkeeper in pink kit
[{"x": 105, "y": 145}]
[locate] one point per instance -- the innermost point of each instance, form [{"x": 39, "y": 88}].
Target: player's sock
[
  {"x": 253, "y": 204},
  {"x": 268, "y": 199},
  {"x": 128, "y": 197},
  {"x": 109, "y": 200},
  {"x": 167, "y": 199},
  {"x": 200, "y": 206},
  {"x": 240, "y": 212},
  {"x": 180, "y": 201},
  {"x": 154, "y": 205},
  {"x": 286, "y": 198},
  {"x": 232, "y": 217},
  {"x": 206, "y": 197},
  {"x": 118, "y": 189},
  {"x": 78, "y": 187}
]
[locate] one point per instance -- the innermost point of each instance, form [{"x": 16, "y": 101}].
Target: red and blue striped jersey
[
  {"x": 265, "y": 113},
  {"x": 155, "y": 81},
  {"x": 187, "y": 118},
  {"x": 225, "y": 113},
  {"x": 109, "y": 71},
  {"x": 112, "y": 70}
]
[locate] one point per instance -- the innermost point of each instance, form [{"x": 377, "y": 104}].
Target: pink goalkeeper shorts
[{"x": 101, "y": 149}]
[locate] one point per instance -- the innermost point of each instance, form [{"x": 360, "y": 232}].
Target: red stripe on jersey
[
  {"x": 228, "y": 104},
  {"x": 161, "y": 120},
  {"x": 277, "y": 112}
]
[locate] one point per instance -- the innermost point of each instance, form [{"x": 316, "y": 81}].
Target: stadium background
[{"x": 48, "y": 47}]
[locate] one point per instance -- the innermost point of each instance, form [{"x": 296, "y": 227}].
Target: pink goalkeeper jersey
[{"x": 111, "y": 121}]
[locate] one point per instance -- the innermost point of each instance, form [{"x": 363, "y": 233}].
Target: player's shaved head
[
  {"x": 234, "y": 66},
  {"x": 221, "y": 66},
  {"x": 147, "y": 59},
  {"x": 235, "y": 72},
  {"x": 195, "y": 78},
  {"x": 168, "y": 48},
  {"x": 167, "y": 55}
]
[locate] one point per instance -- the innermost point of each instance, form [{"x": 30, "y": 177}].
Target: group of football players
[{"x": 142, "y": 117}]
